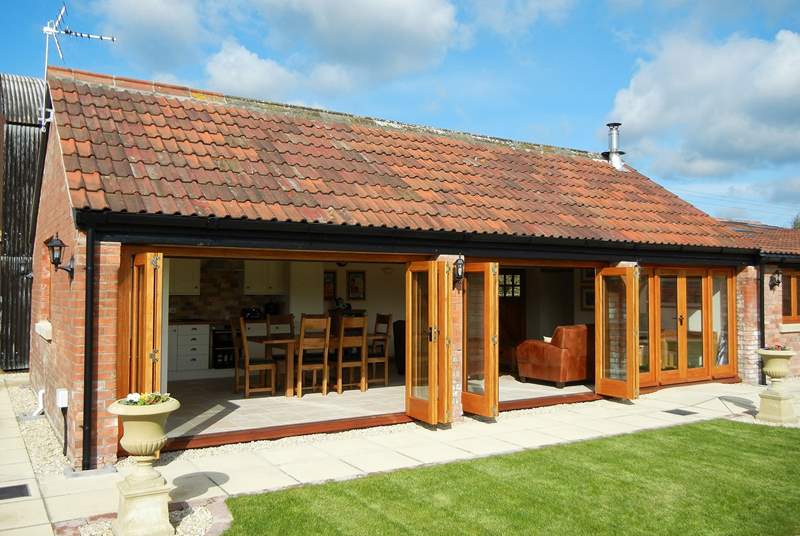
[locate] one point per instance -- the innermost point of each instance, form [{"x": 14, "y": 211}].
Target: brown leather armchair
[{"x": 568, "y": 357}]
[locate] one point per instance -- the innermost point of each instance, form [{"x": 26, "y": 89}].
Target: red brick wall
[
  {"x": 747, "y": 324},
  {"x": 58, "y": 363},
  {"x": 773, "y": 321},
  {"x": 58, "y": 300}
]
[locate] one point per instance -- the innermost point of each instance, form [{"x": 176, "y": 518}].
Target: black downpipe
[
  {"x": 762, "y": 336},
  {"x": 88, "y": 357}
]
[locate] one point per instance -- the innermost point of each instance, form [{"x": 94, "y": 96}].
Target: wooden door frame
[
  {"x": 628, "y": 388},
  {"x": 651, "y": 377},
  {"x": 445, "y": 375},
  {"x": 486, "y": 404},
  {"x": 424, "y": 410},
  {"x": 730, "y": 369}
]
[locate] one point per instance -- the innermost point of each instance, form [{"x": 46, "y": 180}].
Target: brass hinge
[
  {"x": 155, "y": 261},
  {"x": 494, "y": 340},
  {"x": 154, "y": 356},
  {"x": 494, "y": 269}
]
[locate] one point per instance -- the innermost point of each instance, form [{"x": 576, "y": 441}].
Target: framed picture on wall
[
  {"x": 356, "y": 285},
  {"x": 329, "y": 285},
  {"x": 587, "y": 275},
  {"x": 587, "y": 298}
]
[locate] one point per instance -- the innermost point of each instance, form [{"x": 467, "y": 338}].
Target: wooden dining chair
[
  {"x": 279, "y": 326},
  {"x": 351, "y": 351},
  {"x": 379, "y": 349},
  {"x": 315, "y": 332},
  {"x": 264, "y": 367},
  {"x": 238, "y": 363}
]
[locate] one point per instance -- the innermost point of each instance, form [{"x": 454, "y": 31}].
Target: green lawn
[{"x": 716, "y": 477}]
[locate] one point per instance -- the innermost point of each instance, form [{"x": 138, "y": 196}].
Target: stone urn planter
[
  {"x": 776, "y": 404},
  {"x": 143, "y": 494}
]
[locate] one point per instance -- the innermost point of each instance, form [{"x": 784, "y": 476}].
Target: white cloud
[
  {"x": 382, "y": 39},
  {"x": 159, "y": 34},
  {"x": 515, "y": 17},
  {"x": 235, "y": 70},
  {"x": 713, "y": 109}
]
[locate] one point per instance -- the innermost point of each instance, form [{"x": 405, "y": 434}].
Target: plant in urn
[
  {"x": 144, "y": 494},
  {"x": 776, "y": 404}
]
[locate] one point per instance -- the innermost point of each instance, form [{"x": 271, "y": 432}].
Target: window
[
  {"x": 791, "y": 297},
  {"x": 510, "y": 285}
]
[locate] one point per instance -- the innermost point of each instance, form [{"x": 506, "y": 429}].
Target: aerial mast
[{"x": 52, "y": 30}]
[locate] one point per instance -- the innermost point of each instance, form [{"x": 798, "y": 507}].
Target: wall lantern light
[
  {"x": 458, "y": 269},
  {"x": 56, "y": 248},
  {"x": 775, "y": 279}
]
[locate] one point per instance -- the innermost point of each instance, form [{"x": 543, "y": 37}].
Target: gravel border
[
  {"x": 198, "y": 519},
  {"x": 44, "y": 448}
]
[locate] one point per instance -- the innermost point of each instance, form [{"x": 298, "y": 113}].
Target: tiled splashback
[{"x": 221, "y": 294}]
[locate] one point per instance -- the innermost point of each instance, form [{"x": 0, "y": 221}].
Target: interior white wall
[
  {"x": 305, "y": 289},
  {"x": 385, "y": 289},
  {"x": 552, "y": 299}
]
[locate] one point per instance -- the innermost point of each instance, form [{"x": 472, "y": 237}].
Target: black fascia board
[{"x": 169, "y": 230}]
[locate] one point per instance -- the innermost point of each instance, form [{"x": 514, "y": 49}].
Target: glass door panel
[
  {"x": 668, "y": 286},
  {"x": 617, "y": 365},
  {"x": 647, "y": 374},
  {"x": 475, "y": 335},
  {"x": 694, "y": 323},
  {"x": 480, "y": 382},
  {"x": 421, "y": 337},
  {"x": 719, "y": 320}
]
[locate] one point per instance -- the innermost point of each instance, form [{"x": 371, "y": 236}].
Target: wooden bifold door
[
  {"x": 427, "y": 370},
  {"x": 140, "y": 324},
  {"x": 480, "y": 381},
  {"x": 616, "y": 332}
]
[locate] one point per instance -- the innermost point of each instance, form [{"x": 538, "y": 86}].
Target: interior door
[
  {"x": 422, "y": 336},
  {"x": 480, "y": 383},
  {"x": 616, "y": 332},
  {"x": 146, "y": 322},
  {"x": 512, "y": 327}
]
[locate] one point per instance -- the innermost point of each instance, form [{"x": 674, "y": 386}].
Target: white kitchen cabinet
[
  {"x": 263, "y": 278},
  {"x": 184, "y": 277},
  {"x": 172, "y": 346},
  {"x": 189, "y": 350}
]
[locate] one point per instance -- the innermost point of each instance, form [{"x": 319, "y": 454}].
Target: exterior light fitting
[
  {"x": 775, "y": 279},
  {"x": 56, "y": 248},
  {"x": 458, "y": 269}
]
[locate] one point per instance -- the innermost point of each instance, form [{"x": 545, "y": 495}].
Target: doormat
[
  {"x": 681, "y": 412},
  {"x": 14, "y": 492}
]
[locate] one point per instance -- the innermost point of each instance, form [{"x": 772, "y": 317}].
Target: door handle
[
  {"x": 432, "y": 331},
  {"x": 680, "y": 320}
]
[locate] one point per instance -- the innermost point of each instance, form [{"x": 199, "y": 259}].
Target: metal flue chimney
[{"x": 614, "y": 155}]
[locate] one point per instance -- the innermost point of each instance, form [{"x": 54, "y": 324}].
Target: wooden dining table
[{"x": 292, "y": 343}]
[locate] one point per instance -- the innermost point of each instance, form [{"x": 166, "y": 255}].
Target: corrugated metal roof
[{"x": 21, "y": 98}]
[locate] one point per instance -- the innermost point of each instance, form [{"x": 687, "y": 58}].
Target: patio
[{"x": 201, "y": 475}]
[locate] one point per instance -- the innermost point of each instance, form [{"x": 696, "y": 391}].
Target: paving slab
[
  {"x": 483, "y": 446},
  {"x": 37, "y": 530},
  {"x": 289, "y": 454},
  {"x": 434, "y": 452},
  {"x": 320, "y": 470},
  {"x": 16, "y": 471},
  {"x": 380, "y": 461},
  {"x": 83, "y": 504},
  {"x": 529, "y": 438},
  {"x": 15, "y": 515}
]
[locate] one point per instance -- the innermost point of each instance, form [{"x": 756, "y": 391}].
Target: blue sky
[{"x": 708, "y": 92}]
